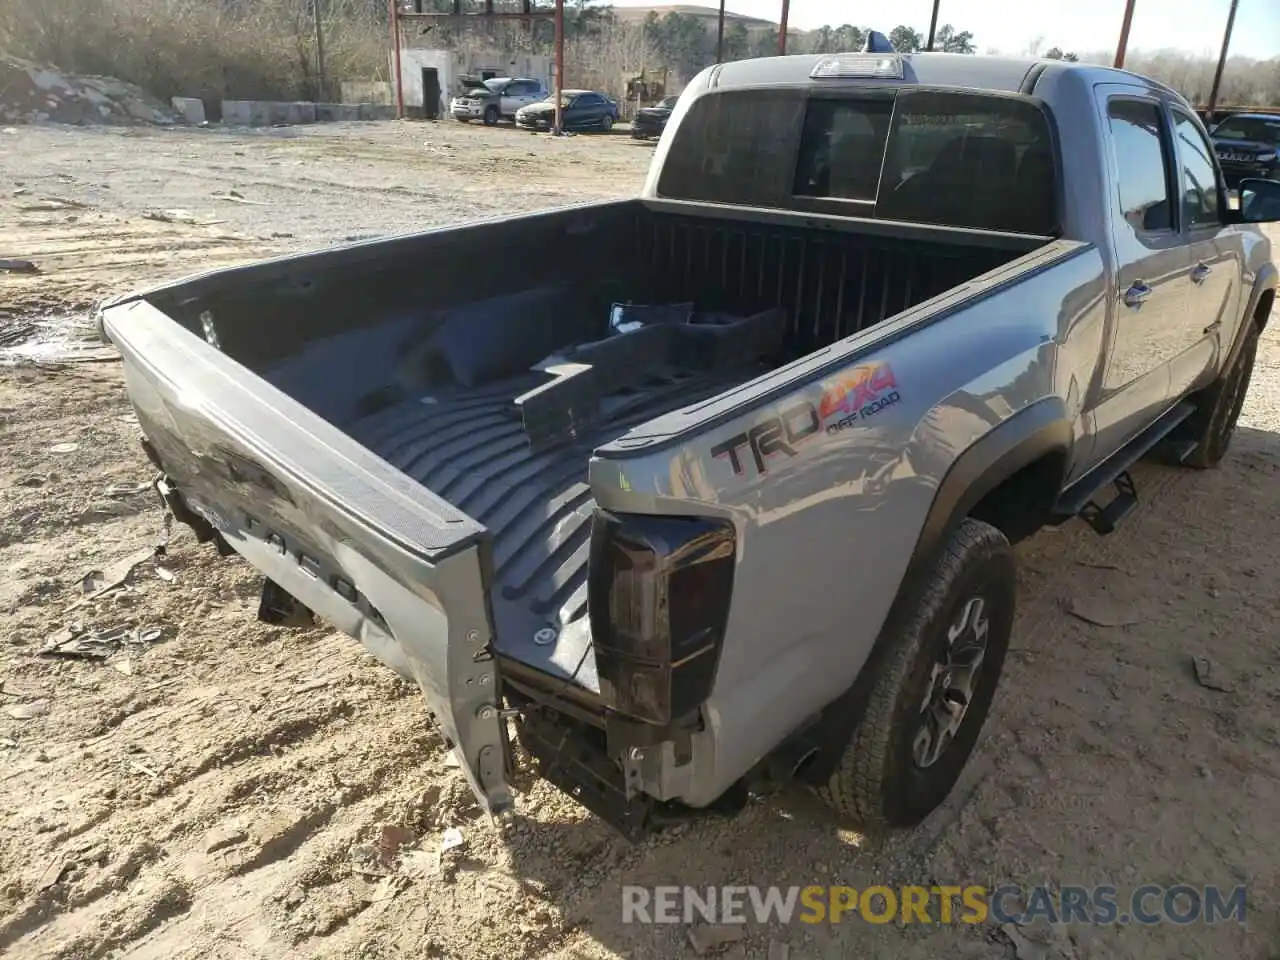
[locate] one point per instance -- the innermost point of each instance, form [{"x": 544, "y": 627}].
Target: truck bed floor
[{"x": 471, "y": 450}]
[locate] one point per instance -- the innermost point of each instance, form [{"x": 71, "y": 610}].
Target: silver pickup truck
[{"x": 726, "y": 488}]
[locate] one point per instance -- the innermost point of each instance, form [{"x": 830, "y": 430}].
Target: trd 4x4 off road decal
[
  {"x": 858, "y": 394},
  {"x": 779, "y": 433}
]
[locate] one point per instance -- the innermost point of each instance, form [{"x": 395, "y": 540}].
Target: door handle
[
  {"x": 1200, "y": 272},
  {"x": 1136, "y": 295}
]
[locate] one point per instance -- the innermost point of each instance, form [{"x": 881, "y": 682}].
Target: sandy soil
[{"x": 220, "y": 788}]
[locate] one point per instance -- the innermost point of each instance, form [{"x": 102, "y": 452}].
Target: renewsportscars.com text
[{"x": 1147, "y": 904}]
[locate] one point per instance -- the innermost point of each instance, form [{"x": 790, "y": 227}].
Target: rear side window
[
  {"x": 945, "y": 157},
  {"x": 1137, "y": 137}
]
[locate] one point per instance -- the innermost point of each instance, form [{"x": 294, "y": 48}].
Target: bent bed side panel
[{"x": 352, "y": 538}]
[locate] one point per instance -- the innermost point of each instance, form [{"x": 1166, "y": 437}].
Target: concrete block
[
  {"x": 244, "y": 113},
  {"x": 377, "y": 111},
  {"x": 337, "y": 112},
  {"x": 299, "y": 112},
  {"x": 189, "y": 109}
]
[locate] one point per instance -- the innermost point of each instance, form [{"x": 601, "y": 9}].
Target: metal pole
[
  {"x": 559, "y": 67},
  {"x": 1124, "y": 33},
  {"x": 782, "y": 29},
  {"x": 933, "y": 25},
  {"x": 1222, "y": 61},
  {"x": 315, "y": 8},
  {"x": 720, "y": 35},
  {"x": 393, "y": 13}
]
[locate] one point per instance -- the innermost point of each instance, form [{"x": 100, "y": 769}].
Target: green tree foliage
[
  {"x": 950, "y": 40},
  {"x": 905, "y": 39}
]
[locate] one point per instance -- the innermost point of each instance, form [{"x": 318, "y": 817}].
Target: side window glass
[
  {"x": 1199, "y": 181},
  {"x": 1136, "y": 137}
]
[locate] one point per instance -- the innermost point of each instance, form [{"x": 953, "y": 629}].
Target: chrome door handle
[
  {"x": 1136, "y": 295},
  {"x": 1200, "y": 272}
]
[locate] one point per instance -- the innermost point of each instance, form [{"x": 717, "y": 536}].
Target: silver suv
[{"x": 495, "y": 99}]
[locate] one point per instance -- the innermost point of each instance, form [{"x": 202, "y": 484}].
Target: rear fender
[{"x": 1041, "y": 429}]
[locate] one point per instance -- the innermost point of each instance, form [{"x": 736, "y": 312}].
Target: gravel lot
[{"x": 230, "y": 789}]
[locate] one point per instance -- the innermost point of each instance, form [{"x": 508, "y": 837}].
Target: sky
[{"x": 1195, "y": 26}]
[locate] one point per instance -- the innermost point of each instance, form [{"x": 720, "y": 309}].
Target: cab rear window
[{"x": 954, "y": 158}]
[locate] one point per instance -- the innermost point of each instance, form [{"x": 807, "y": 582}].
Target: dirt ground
[{"x": 220, "y": 788}]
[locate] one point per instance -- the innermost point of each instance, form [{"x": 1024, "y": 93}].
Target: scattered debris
[
  {"x": 19, "y": 266},
  {"x": 51, "y": 878},
  {"x": 92, "y": 644},
  {"x": 124, "y": 666},
  {"x": 451, "y": 760},
  {"x": 220, "y": 838},
  {"x": 8, "y": 743},
  {"x": 35, "y": 480},
  {"x": 1098, "y": 566},
  {"x": 69, "y": 447},
  {"x": 27, "y": 711},
  {"x": 710, "y": 937},
  {"x": 35, "y": 93},
  {"x": 165, "y": 574},
  {"x": 92, "y": 581},
  {"x": 1209, "y": 676},
  {"x": 451, "y": 839},
  {"x": 76, "y": 641},
  {"x": 366, "y": 861},
  {"x": 234, "y": 196},
  {"x": 116, "y": 574},
  {"x": 1101, "y": 612},
  {"x": 170, "y": 216},
  {"x": 391, "y": 840},
  {"x": 118, "y": 490},
  {"x": 1023, "y": 948},
  {"x": 310, "y": 685},
  {"x": 143, "y": 769}
]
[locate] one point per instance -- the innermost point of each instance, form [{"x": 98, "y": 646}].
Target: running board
[{"x": 1081, "y": 498}]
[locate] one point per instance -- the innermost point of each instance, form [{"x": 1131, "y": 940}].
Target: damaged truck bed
[{"x": 719, "y": 482}]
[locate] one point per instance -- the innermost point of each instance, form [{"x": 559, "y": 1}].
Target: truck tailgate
[{"x": 354, "y": 539}]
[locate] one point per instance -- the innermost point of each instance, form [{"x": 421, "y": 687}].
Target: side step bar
[{"x": 1081, "y": 499}]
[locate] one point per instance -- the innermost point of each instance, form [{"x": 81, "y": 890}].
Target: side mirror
[{"x": 1259, "y": 201}]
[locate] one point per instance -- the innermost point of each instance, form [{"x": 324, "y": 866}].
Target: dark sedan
[
  {"x": 1246, "y": 145},
  {"x": 582, "y": 109},
  {"x": 651, "y": 121}
]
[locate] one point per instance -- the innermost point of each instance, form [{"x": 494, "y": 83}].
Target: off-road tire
[
  {"x": 1218, "y": 408},
  {"x": 491, "y": 116},
  {"x": 877, "y": 782}
]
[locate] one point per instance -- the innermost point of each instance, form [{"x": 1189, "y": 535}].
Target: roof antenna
[{"x": 877, "y": 42}]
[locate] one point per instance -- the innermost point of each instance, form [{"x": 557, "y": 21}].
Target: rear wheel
[
  {"x": 606, "y": 123},
  {"x": 1214, "y": 422},
  {"x": 933, "y": 686},
  {"x": 491, "y": 116}
]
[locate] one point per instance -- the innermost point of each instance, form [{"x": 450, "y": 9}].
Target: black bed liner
[{"x": 473, "y": 451}]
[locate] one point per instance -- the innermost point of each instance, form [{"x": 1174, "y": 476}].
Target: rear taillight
[{"x": 659, "y": 599}]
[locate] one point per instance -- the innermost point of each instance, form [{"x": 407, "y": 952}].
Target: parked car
[
  {"x": 1247, "y": 145},
  {"x": 651, "y": 121},
  {"x": 495, "y": 99},
  {"x": 582, "y": 110},
  {"x": 720, "y": 483}
]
